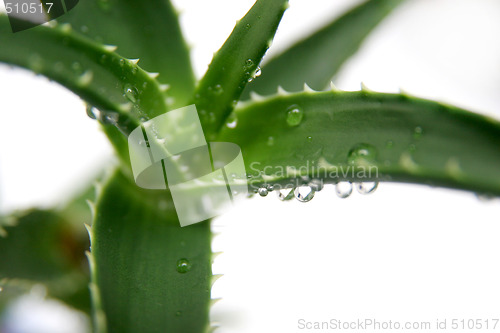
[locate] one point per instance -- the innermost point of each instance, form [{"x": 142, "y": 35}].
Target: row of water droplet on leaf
[{"x": 306, "y": 193}]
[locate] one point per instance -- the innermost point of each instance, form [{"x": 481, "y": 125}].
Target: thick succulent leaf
[
  {"x": 40, "y": 246},
  {"x": 236, "y": 62},
  {"x": 124, "y": 93},
  {"x": 329, "y": 135},
  {"x": 145, "y": 30},
  {"x": 137, "y": 251},
  {"x": 317, "y": 58}
]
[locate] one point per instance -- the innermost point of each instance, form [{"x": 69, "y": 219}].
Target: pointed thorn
[
  {"x": 307, "y": 88},
  {"x": 110, "y": 48},
  {"x": 164, "y": 87},
  {"x": 65, "y": 27},
  {"x": 333, "y": 87},
  {"x": 281, "y": 91},
  {"x": 256, "y": 97},
  {"x": 215, "y": 277},
  {"x": 153, "y": 75},
  {"x": 213, "y": 301},
  {"x": 89, "y": 231},
  {"x": 216, "y": 254},
  {"x": 134, "y": 61},
  {"x": 85, "y": 79},
  {"x": 92, "y": 208},
  {"x": 365, "y": 88},
  {"x": 404, "y": 93},
  {"x": 97, "y": 189}
]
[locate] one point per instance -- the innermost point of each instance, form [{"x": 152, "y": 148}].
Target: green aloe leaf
[
  {"x": 145, "y": 30},
  {"x": 236, "y": 63},
  {"x": 328, "y": 135},
  {"x": 149, "y": 274},
  {"x": 317, "y": 58},
  {"x": 41, "y": 246},
  {"x": 125, "y": 94}
]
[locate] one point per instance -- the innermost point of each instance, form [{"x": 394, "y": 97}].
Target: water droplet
[
  {"x": 270, "y": 141},
  {"x": 286, "y": 194},
  {"x": 417, "y": 133},
  {"x": 218, "y": 89},
  {"x": 110, "y": 117},
  {"x": 178, "y": 314},
  {"x": 232, "y": 121},
  {"x": 263, "y": 191},
  {"x": 343, "y": 189},
  {"x": 183, "y": 265},
  {"x": 250, "y": 78},
  {"x": 121, "y": 62},
  {"x": 316, "y": 184},
  {"x": 294, "y": 115},
  {"x": 309, "y": 139},
  {"x": 249, "y": 63},
  {"x": 366, "y": 187},
  {"x": 211, "y": 117},
  {"x": 304, "y": 193},
  {"x": 92, "y": 112},
  {"x": 131, "y": 93},
  {"x": 362, "y": 152},
  {"x": 258, "y": 72},
  {"x": 248, "y": 26}
]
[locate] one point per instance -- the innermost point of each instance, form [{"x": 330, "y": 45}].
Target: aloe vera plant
[{"x": 128, "y": 61}]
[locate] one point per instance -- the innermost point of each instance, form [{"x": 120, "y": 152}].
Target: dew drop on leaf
[
  {"x": 263, "y": 191},
  {"x": 343, "y": 189},
  {"x": 92, "y": 112},
  {"x": 218, "y": 89},
  {"x": 417, "y": 133},
  {"x": 183, "y": 265},
  {"x": 249, "y": 63},
  {"x": 130, "y": 92},
  {"x": 294, "y": 115},
  {"x": 286, "y": 194},
  {"x": 362, "y": 152},
  {"x": 258, "y": 72},
  {"x": 109, "y": 117},
  {"x": 304, "y": 193},
  {"x": 366, "y": 187}
]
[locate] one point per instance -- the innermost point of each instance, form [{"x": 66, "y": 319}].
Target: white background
[{"x": 405, "y": 253}]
